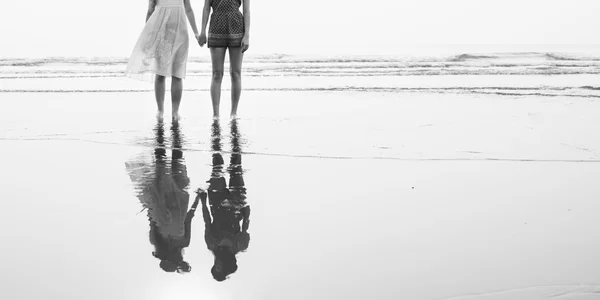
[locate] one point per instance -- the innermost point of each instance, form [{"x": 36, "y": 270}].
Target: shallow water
[{"x": 352, "y": 196}]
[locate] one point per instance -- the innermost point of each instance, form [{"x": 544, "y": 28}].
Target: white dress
[{"x": 162, "y": 48}]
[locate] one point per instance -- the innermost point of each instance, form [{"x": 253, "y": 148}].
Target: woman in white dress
[{"x": 162, "y": 49}]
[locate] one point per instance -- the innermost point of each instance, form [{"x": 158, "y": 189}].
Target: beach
[{"x": 469, "y": 177}]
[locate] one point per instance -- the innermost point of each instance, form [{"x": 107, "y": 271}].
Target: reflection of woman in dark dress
[
  {"x": 223, "y": 234},
  {"x": 162, "y": 191}
]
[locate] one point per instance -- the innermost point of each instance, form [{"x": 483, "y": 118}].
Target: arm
[
  {"x": 205, "y": 213},
  {"x": 208, "y": 238},
  {"x": 246, "y": 39},
  {"x": 246, "y": 218},
  {"x": 188, "y": 223},
  {"x": 151, "y": 7},
  {"x": 191, "y": 17},
  {"x": 243, "y": 241},
  {"x": 152, "y": 234},
  {"x": 205, "y": 15}
]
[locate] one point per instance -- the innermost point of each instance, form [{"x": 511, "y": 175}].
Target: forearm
[
  {"x": 206, "y": 214},
  {"x": 192, "y": 19},
  {"x": 246, "y": 218},
  {"x": 205, "y": 15},
  {"x": 245, "y": 225},
  {"x": 188, "y": 226},
  {"x": 188, "y": 217}
]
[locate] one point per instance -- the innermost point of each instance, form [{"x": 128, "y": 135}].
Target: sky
[{"x": 37, "y": 28}]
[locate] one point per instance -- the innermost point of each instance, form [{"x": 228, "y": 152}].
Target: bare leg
[
  {"x": 235, "y": 61},
  {"x": 217, "y": 56},
  {"x": 159, "y": 93},
  {"x": 176, "y": 93}
]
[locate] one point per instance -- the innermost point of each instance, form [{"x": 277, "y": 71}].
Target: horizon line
[{"x": 389, "y": 52}]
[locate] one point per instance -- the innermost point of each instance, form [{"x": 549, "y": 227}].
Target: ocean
[{"x": 511, "y": 73}]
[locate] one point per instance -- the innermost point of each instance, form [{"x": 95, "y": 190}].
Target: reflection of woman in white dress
[
  {"x": 162, "y": 49},
  {"x": 161, "y": 186}
]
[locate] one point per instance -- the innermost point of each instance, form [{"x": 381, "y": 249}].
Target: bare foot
[
  {"x": 160, "y": 115},
  {"x": 176, "y": 117}
]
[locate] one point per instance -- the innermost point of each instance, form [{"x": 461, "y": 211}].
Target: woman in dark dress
[
  {"x": 223, "y": 234},
  {"x": 229, "y": 29}
]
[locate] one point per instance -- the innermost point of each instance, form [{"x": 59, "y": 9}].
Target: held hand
[
  {"x": 201, "y": 39},
  {"x": 245, "y": 43},
  {"x": 202, "y": 195}
]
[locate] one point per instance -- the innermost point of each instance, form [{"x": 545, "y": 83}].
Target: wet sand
[{"x": 353, "y": 196}]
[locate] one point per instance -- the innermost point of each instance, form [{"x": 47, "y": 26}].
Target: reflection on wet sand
[
  {"x": 161, "y": 185},
  {"x": 228, "y": 207}
]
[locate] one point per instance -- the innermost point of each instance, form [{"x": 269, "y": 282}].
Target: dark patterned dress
[{"x": 226, "y": 27}]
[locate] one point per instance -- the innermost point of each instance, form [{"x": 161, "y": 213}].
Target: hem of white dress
[{"x": 150, "y": 76}]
